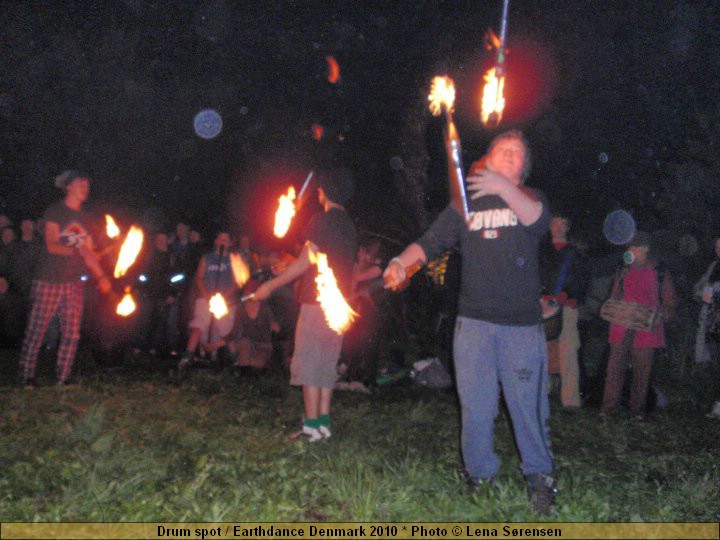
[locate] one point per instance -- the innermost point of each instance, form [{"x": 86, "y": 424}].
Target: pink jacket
[{"x": 640, "y": 284}]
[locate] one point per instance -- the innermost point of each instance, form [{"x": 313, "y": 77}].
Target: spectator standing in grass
[
  {"x": 25, "y": 260},
  {"x": 499, "y": 341},
  {"x": 57, "y": 288},
  {"x": 564, "y": 277},
  {"x": 317, "y": 346}
]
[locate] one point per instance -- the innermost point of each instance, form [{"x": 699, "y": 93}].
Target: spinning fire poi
[
  {"x": 128, "y": 254},
  {"x": 493, "y": 101}
]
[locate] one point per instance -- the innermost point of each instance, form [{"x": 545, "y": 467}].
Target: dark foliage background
[{"x": 113, "y": 87}]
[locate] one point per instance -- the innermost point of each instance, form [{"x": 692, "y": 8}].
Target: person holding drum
[{"x": 642, "y": 298}]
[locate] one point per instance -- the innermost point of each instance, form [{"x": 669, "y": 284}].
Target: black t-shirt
[
  {"x": 73, "y": 233},
  {"x": 500, "y": 281},
  {"x": 333, "y": 232}
]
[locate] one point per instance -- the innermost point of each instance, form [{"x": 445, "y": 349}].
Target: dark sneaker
[
  {"x": 477, "y": 485},
  {"x": 542, "y": 488}
]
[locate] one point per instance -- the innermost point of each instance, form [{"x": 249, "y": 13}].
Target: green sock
[
  {"x": 311, "y": 422},
  {"x": 324, "y": 420}
]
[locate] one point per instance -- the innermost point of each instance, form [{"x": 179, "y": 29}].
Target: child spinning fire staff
[{"x": 318, "y": 340}]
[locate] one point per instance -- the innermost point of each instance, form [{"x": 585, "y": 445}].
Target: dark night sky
[{"x": 112, "y": 88}]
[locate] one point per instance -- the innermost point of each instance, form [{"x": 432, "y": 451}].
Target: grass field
[{"x": 130, "y": 444}]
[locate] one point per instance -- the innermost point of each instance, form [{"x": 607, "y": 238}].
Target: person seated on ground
[
  {"x": 284, "y": 305},
  {"x": 251, "y": 339},
  {"x": 214, "y": 275},
  {"x": 358, "y": 361}
]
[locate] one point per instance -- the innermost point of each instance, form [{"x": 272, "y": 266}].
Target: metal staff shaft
[
  {"x": 305, "y": 185},
  {"x": 503, "y": 31},
  {"x": 458, "y": 197}
]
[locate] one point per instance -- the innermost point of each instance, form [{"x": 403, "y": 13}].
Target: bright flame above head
[
  {"x": 284, "y": 213},
  {"x": 240, "y": 269},
  {"x": 338, "y": 313},
  {"x": 111, "y": 228},
  {"x": 493, "y": 102},
  {"x": 126, "y": 306},
  {"x": 442, "y": 94},
  {"x": 218, "y": 307},
  {"x": 129, "y": 251}
]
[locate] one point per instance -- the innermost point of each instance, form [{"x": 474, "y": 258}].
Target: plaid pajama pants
[{"x": 65, "y": 299}]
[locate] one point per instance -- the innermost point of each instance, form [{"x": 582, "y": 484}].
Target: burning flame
[
  {"x": 127, "y": 305},
  {"x": 493, "y": 102},
  {"x": 240, "y": 269},
  {"x": 317, "y": 131},
  {"x": 442, "y": 93},
  {"x": 218, "y": 307},
  {"x": 284, "y": 213},
  {"x": 111, "y": 228},
  {"x": 338, "y": 313},
  {"x": 333, "y": 69},
  {"x": 129, "y": 251}
]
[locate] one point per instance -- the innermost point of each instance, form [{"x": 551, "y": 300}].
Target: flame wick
[
  {"x": 240, "y": 269},
  {"x": 442, "y": 95},
  {"x": 218, "y": 307},
  {"x": 338, "y": 313},
  {"x": 285, "y": 213},
  {"x": 127, "y": 305},
  {"x": 129, "y": 251},
  {"x": 111, "y": 228}
]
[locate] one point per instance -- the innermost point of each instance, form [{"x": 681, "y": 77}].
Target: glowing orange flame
[
  {"x": 442, "y": 94},
  {"x": 491, "y": 41},
  {"x": 111, "y": 228},
  {"x": 338, "y": 313},
  {"x": 317, "y": 131},
  {"x": 493, "y": 102},
  {"x": 126, "y": 306},
  {"x": 218, "y": 307},
  {"x": 129, "y": 251},
  {"x": 284, "y": 213},
  {"x": 333, "y": 69},
  {"x": 240, "y": 269}
]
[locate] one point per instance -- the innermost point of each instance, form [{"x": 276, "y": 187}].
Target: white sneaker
[
  {"x": 307, "y": 433},
  {"x": 325, "y": 432}
]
